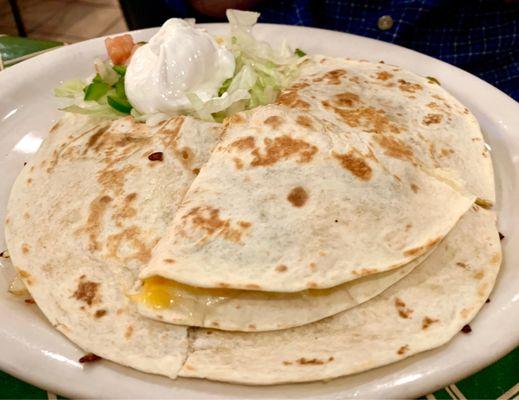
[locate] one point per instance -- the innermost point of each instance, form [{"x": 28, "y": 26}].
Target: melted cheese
[{"x": 161, "y": 293}]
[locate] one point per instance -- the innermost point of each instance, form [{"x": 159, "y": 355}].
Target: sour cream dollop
[{"x": 179, "y": 59}]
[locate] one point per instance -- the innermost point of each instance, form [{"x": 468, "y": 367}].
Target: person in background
[{"x": 479, "y": 36}]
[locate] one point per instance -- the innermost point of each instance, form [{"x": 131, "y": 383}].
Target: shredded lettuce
[
  {"x": 70, "y": 88},
  {"x": 261, "y": 71},
  {"x": 94, "y": 109},
  {"x": 106, "y": 72}
]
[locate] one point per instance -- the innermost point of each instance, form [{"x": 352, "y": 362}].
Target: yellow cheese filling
[{"x": 161, "y": 293}]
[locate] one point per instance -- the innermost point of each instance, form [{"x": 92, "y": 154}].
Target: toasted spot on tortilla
[
  {"x": 365, "y": 271},
  {"x": 313, "y": 361},
  {"x": 484, "y": 203},
  {"x": 290, "y": 98},
  {"x": 208, "y": 219},
  {"x": 189, "y": 367},
  {"x": 24, "y": 274},
  {"x": 170, "y": 131},
  {"x": 462, "y": 265},
  {"x": 432, "y": 119},
  {"x": 446, "y": 152},
  {"x": 394, "y": 148},
  {"x": 414, "y": 187},
  {"x": 243, "y": 143},
  {"x": 113, "y": 179},
  {"x": 355, "y": 164},
  {"x": 252, "y": 286},
  {"x": 384, "y": 75},
  {"x": 25, "y": 248},
  {"x": 281, "y": 268},
  {"x": 169, "y": 261},
  {"x": 235, "y": 119},
  {"x": 214, "y": 323},
  {"x": 252, "y": 326},
  {"x": 185, "y": 155},
  {"x": 129, "y": 332},
  {"x": 403, "y": 349},
  {"x": 369, "y": 118},
  {"x": 421, "y": 249},
  {"x": 273, "y": 121},
  {"x": 56, "y": 126},
  {"x": 312, "y": 265},
  {"x": 496, "y": 258},
  {"x": 100, "y": 313},
  {"x": 483, "y": 290},
  {"x": 29, "y": 181},
  {"x": 346, "y": 99},
  {"x": 427, "y": 321},
  {"x": 125, "y": 210},
  {"x": 311, "y": 285},
  {"x": 408, "y": 86},
  {"x": 244, "y": 224},
  {"x": 287, "y": 363},
  {"x": 298, "y": 196},
  {"x": 119, "y": 311},
  {"x": 129, "y": 238},
  {"x": 237, "y": 163},
  {"x": 86, "y": 292},
  {"x": 402, "y": 310},
  {"x": 334, "y": 76},
  {"x": 93, "y": 226},
  {"x": 25, "y": 216},
  {"x": 304, "y": 120},
  {"x": 95, "y": 137},
  {"x": 465, "y": 312},
  {"x": 283, "y": 147},
  {"x": 157, "y": 156},
  {"x": 299, "y": 85},
  {"x": 196, "y": 171},
  {"x": 479, "y": 275}
]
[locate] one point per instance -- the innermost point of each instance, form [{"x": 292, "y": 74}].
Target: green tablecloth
[
  {"x": 500, "y": 380},
  {"x": 16, "y": 49}
]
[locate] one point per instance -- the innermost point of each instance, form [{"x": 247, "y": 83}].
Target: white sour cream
[{"x": 179, "y": 59}]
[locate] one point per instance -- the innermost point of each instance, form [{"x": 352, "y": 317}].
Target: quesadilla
[
  {"x": 324, "y": 187},
  {"x": 82, "y": 219},
  {"x": 253, "y": 310},
  {"x": 422, "y": 311}
]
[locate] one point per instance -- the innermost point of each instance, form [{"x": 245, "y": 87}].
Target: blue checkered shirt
[{"x": 480, "y": 36}]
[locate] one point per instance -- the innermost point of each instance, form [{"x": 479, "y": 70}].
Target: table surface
[{"x": 498, "y": 381}]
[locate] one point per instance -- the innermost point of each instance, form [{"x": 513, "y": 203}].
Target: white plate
[{"x": 33, "y": 351}]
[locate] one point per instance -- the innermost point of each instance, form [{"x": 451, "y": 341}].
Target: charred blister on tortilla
[
  {"x": 90, "y": 357},
  {"x": 156, "y": 156}
]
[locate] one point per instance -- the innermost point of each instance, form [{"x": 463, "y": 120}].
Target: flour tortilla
[
  {"x": 82, "y": 218},
  {"x": 290, "y": 201},
  {"x": 442, "y": 132},
  {"x": 250, "y": 311},
  {"x": 422, "y": 311}
]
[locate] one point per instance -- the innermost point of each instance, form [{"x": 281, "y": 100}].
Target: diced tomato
[{"x": 119, "y": 48}]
